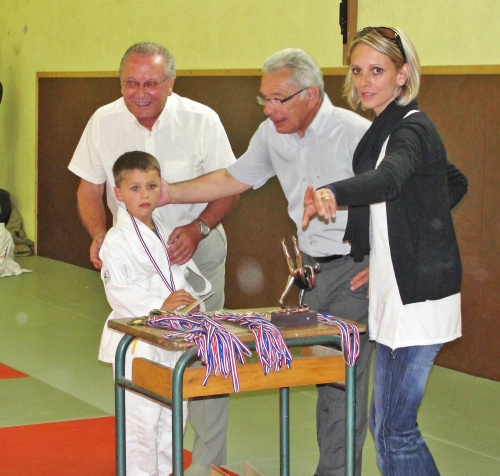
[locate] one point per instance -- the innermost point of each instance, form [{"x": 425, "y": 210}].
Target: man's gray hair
[
  {"x": 304, "y": 70},
  {"x": 148, "y": 48}
]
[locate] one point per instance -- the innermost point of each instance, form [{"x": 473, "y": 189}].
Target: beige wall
[{"x": 70, "y": 35}]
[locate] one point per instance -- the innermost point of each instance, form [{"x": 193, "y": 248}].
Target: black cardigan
[{"x": 419, "y": 187}]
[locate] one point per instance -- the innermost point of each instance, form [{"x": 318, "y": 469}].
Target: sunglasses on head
[{"x": 386, "y": 32}]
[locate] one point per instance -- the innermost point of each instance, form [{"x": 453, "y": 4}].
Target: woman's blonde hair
[{"x": 376, "y": 38}]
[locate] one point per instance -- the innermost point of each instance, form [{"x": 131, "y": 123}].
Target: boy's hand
[
  {"x": 182, "y": 243},
  {"x": 177, "y": 299}
]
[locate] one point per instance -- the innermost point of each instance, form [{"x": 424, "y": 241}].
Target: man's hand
[
  {"x": 165, "y": 197},
  {"x": 94, "y": 250},
  {"x": 360, "y": 279},
  {"x": 321, "y": 201},
  {"x": 182, "y": 243}
]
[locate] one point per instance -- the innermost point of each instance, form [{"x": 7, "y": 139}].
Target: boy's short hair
[{"x": 134, "y": 160}]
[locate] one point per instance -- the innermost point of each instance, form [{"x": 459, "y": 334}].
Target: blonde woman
[{"x": 399, "y": 213}]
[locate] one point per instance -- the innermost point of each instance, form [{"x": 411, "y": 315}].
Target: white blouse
[{"x": 390, "y": 322}]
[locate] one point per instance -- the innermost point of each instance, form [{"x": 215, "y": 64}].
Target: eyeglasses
[
  {"x": 149, "y": 86},
  {"x": 261, "y": 100},
  {"x": 386, "y": 32}
]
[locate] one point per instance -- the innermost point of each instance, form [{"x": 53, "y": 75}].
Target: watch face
[{"x": 204, "y": 228}]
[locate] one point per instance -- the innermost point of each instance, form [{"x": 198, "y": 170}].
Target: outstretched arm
[
  {"x": 184, "y": 240},
  {"x": 220, "y": 189},
  {"x": 205, "y": 188}
]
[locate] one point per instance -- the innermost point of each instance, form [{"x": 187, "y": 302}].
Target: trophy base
[{"x": 294, "y": 317}]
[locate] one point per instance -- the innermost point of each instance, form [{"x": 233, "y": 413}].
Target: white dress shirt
[{"x": 188, "y": 140}]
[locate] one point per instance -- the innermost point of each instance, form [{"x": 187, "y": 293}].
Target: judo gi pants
[{"x": 148, "y": 429}]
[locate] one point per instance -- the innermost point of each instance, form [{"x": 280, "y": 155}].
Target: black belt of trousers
[{"x": 327, "y": 259}]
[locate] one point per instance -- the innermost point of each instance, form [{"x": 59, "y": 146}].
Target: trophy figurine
[{"x": 304, "y": 278}]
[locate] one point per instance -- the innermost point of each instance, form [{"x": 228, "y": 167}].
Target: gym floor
[{"x": 50, "y": 327}]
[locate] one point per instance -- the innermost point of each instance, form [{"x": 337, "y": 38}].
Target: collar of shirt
[
  {"x": 162, "y": 120},
  {"x": 321, "y": 119}
]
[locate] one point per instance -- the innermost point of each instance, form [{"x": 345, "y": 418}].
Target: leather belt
[{"x": 327, "y": 259}]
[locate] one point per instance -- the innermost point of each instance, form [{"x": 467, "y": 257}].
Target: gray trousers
[
  {"x": 332, "y": 294},
  {"x": 209, "y": 416}
]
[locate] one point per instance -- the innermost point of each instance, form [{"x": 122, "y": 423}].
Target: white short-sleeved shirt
[
  {"x": 188, "y": 140},
  {"x": 322, "y": 156}
]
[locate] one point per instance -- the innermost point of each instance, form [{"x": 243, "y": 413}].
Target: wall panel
[{"x": 464, "y": 107}]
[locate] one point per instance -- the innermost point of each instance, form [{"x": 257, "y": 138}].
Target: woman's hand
[{"x": 321, "y": 201}]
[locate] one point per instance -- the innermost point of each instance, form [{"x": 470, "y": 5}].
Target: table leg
[
  {"x": 350, "y": 390},
  {"x": 177, "y": 430},
  {"x": 177, "y": 411},
  {"x": 120, "y": 404},
  {"x": 284, "y": 431}
]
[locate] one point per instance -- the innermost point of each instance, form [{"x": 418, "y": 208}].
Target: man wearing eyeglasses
[
  {"x": 188, "y": 140},
  {"x": 306, "y": 140}
]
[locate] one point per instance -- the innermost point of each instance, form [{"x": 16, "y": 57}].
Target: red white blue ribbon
[
  {"x": 269, "y": 342},
  {"x": 168, "y": 282},
  {"x": 220, "y": 350},
  {"x": 349, "y": 336}
]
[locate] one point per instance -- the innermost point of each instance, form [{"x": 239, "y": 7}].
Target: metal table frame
[{"x": 122, "y": 383}]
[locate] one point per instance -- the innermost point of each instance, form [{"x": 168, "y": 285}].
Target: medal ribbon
[
  {"x": 220, "y": 349},
  {"x": 349, "y": 335},
  {"x": 168, "y": 282},
  {"x": 269, "y": 343}
]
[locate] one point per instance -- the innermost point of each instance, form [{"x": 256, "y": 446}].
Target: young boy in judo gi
[{"x": 138, "y": 277}]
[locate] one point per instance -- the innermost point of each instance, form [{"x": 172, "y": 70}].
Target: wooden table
[{"x": 171, "y": 386}]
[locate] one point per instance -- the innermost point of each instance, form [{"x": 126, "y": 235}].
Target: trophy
[{"x": 304, "y": 278}]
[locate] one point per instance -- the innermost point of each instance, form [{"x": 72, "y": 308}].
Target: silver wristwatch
[{"x": 204, "y": 228}]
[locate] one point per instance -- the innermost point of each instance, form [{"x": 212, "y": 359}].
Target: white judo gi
[{"x": 134, "y": 287}]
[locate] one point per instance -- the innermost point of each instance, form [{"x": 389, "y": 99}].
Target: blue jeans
[{"x": 400, "y": 377}]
